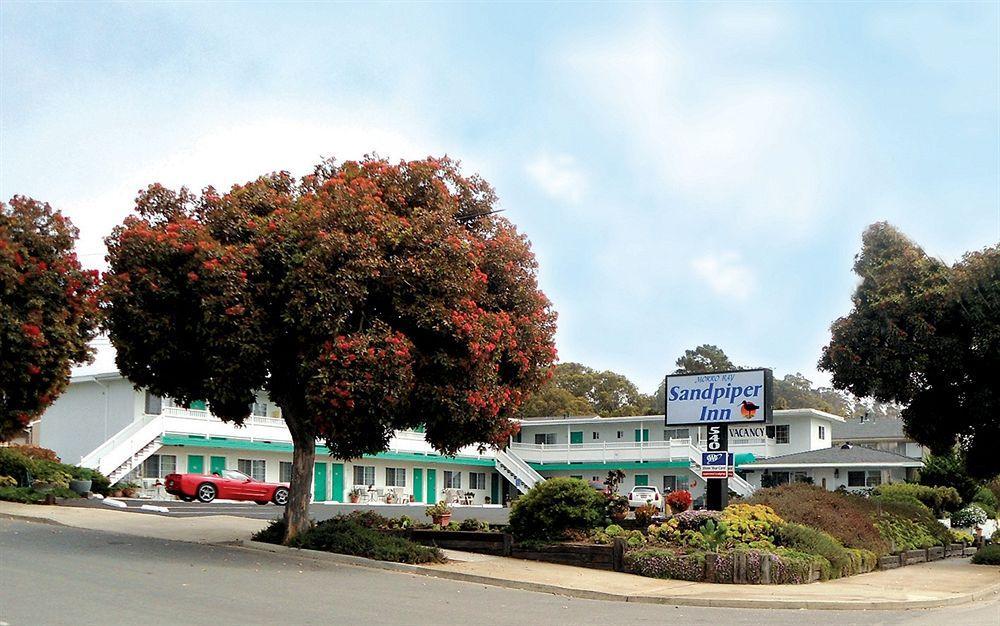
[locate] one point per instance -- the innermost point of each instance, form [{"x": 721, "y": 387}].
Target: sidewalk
[{"x": 939, "y": 583}]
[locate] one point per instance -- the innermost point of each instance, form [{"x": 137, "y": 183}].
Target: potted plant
[
  {"x": 439, "y": 513},
  {"x": 355, "y": 495}
]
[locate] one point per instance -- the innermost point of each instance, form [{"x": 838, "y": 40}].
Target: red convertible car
[{"x": 227, "y": 485}]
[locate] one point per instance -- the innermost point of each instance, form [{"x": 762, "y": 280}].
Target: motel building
[{"x": 102, "y": 421}]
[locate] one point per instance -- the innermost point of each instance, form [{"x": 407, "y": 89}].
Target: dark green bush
[
  {"x": 99, "y": 482},
  {"x": 345, "y": 536},
  {"x": 919, "y": 514},
  {"x": 26, "y": 495},
  {"x": 987, "y": 501},
  {"x": 473, "y": 524},
  {"x": 555, "y": 506},
  {"x": 15, "y": 464},
  {"x": 938, "y": 499},
  {"x": 812, "y": 541},
  {"x": 987, "y": 555},
  {"x": 273, "y": 533}
]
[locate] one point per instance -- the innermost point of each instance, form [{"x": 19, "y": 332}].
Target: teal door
[
  {"x": 418, "y": 484},
  {"x": 217, "y": 464},
  {"x": 196, "y": 464},
  {"x": 642, "y": 435},
  {"x": 431, "y": 486},
  {"x": 641, "y": 480},
  {"x": 495, "y": 489},
  {"x": 338, "y": 482},
  {"x": 319, "y": 482},
  {"x": 576, "y": 436}
]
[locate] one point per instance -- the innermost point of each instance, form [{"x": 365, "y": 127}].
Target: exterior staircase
[
  {"x": 736, "y": 482},
  {"x": 127, "y": 450},
  {"x": 516, "y": 470}
]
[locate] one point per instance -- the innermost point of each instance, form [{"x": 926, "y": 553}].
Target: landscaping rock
[
  {"x": 890, "y": 561},
  {"x": 914, "y": 556},
  {"x": 936, "y": 553}
]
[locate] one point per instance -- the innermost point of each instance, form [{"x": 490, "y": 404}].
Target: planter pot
[
  {"x": 117, "y": 493},
  {"x": 354, "y": 499},
  {"x": 618, "y": 516},
  {"x": 80, "y": 487},
  {"x": 128, "y": 493},
  {"x": 442, "y": 520}
]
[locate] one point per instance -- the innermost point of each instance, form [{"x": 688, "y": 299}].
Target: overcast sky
[{"x": 686, "y": 173}]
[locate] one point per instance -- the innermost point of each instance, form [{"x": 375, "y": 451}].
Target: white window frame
[
  {"x": 367, "y": 472},
  {"x": 161, "y": 470},
  {"x": 547, "y": 439},
  {"x": 477, "y": 480},
  {"x": 675, "y": 433},
  {"x": 782, "y": 431},
  {"x": 398, "y": 475},
  {"x": 452, "y": 479},
  {"x": 822, "y": 432},
  {"x": 257, "y": 467},
  {"x": 595, "y": 435}
]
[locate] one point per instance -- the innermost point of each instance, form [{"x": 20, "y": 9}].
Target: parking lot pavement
[{"x": 319, "y": 511}]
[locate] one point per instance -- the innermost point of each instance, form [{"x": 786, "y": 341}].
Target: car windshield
[{"x": 234, "y": 475}]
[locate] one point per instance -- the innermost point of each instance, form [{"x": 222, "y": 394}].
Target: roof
[
  {"x": 597, "y": 419},
  {"x": 837, "y": 456},
  {"x": 880, "y": 428},
  {"x": 103, "y": 365}
]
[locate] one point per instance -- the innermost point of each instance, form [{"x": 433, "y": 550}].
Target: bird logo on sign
[{"x": 748, "y": 409}]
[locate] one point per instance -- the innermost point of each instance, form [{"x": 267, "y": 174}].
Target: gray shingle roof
[
  {"x": 856, "y": 430},
  {"x": 835, "y": 455}
]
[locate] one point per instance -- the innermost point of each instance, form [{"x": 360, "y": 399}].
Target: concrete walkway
[{"x": 940, "y": 583}]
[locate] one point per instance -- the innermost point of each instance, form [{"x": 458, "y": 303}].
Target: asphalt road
[
  {"x": 60, "y": 575},
  {"x": 493, "y": 515}
]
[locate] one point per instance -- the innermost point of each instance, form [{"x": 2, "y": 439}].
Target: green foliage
[
  {"x": 918, "y": 514},
  {"x": 961, "y": 536},
  {"x": 25, "y": 495},
  {"x": 576, "y": 389},
  {"x": 846, "y": 517},
  {"x": 714, "y": 535},
  {"x": 437, "y": 510},
  {"x": 18, "y": 465},
  {"x": 474, "y": 524},
  {"x": 903, "y": 534},
  {"x": 969, "y": 517},
  {"x": 987, "y": 555},
  {"x": 99, "y": 483},
  {"x": 645, "y": 513},
  {"x": 949, "y": 471},
  {"x": 925, "y": 334},
  {"x": 554, "y": 506},
  {"x": 987, "y": 501},
  {"x": 840, "y": 561},
  {"x": 272, "y": 533},
  {"x": 344, "y": 536},
  {"x": 48, "y": 310},
  {"x": 661, "y": 563},
  {"x": 938, "y": 499}
]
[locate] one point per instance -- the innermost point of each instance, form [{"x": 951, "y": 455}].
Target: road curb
[{"x": 420, "y": 570}]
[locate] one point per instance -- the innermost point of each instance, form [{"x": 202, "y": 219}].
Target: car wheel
[
  {"x": 280, "y": 496},
  {"x": 261, "y": 502},
  {"x": 206, "y": 492}
]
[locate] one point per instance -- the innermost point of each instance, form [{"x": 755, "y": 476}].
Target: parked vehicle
[
  {"x": 226, "y": 485},
  {"x": 640, "y": 496}
]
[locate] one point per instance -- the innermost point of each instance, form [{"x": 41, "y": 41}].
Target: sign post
[{"x": 717, "y": 400}]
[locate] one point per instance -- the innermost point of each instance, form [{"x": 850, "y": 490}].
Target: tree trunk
[{"x": 303, "y": 459}]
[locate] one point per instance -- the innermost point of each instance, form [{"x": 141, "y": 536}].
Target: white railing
[
  {"x": 671, "y": 449},
  {"x": 110, "y": 455},
  {"x": 516, "y": 470}
]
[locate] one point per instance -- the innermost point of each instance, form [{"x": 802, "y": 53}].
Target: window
[
  {"x": 452, "y": 480},
  {"x": 781, "y": 433},
  {"x": 284, "y": 472},
  {"x": 822, "y": 432},
  {"x": 159, "y": 465},
  {"x": 676, "y": 433},
  {"x": 595, "y": 435},
  {"x": 641, "y": 434},
  {"x": 395, "y": 477},
  {"x": 364, "y": 475},
  {"x": 477, "y": 480},
  {"x": 621, "y": 433},
  {"x": 577, "y": 477},
  {"x": 862, "y": 478},
  {"x": 259, "y": 409},
  {"x": 545, "y": 438},
  {"x": 254, "y": 468},
  {"x": 154, "y": 404},
  {"x": 780, "y": 478},
  {"x": 669, "y": 484}
]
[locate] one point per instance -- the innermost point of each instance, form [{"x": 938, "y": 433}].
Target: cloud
[
  {"x": 558, "y": 176},
  {"x": 725, "y": 274}
]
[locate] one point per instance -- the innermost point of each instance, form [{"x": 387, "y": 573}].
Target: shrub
[
  {"x": 747, "y": 523},
  {"x": 25, "y": 495},
  {"x": 345, "y": 536},
  {"x": 15, "y": 463},
  {"x": 473, "y": 524},
  {"x": 918, "y": 514},
  {"x": 36, "y": 452},
  {"x": 902, "y": 533},
  {"x": 694, "y": 520},
  {"x": 99, "y": 483},
  {"x": 645, "y": 513},
  {"x": 679, "y": 500},
  {"x": 986, "y": 501},
  {"x": 368, "y": 519},
  {"x": 273, "y": 533},
  {"x": 987, "y": 555},
  {"x": 791, "y": 567},
  {"x": 554, "y": 506},
  {"x": 960, "y": 536},
  {"x": 848, "y": 518},
  {"x": 949, "y": 471},
  {"x": 660, "y": 563},
  {"x": 840, "y": 560},
  {"x": 969, "y": 517},
  {"x": 938, "y": 499}
]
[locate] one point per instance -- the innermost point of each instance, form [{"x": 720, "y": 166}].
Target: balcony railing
[{"x": 669, "y": 450}]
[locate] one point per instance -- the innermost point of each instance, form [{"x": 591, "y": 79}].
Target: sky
[{"x": 687, "y": 173}]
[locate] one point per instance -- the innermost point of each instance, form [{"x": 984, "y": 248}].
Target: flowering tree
[
  {"x": 365, "y": 298},
  {"x": 48, "y": 310}
]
